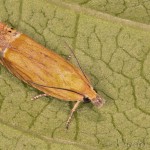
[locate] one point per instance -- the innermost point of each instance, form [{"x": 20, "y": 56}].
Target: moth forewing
[{"x": 44, "y": 69}]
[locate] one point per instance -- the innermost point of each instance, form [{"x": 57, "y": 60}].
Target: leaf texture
[{"x": 112, "y": 45}]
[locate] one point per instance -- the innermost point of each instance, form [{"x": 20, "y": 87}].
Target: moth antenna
[
  {"x": 52, "y": 87},
  {"x": 71, "y": 50}
]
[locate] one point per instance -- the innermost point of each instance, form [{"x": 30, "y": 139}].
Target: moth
[{"x": 45, "y": 70}]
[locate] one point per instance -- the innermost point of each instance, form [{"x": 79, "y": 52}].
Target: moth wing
[{"x": 30, "y": 61}]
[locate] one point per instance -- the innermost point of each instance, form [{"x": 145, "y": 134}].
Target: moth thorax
[{"x": 98, "y": 101}]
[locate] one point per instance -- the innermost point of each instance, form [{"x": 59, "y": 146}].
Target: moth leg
[
  {"x": 39, "y": 96},
  {"x": 71, "y": 113}
]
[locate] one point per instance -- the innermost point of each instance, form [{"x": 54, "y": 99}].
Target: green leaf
[
  {"x": 114, "y": 53},
  {"x": 128, "y": 9}
]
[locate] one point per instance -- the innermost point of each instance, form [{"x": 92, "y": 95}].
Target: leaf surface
[{"x": 114, "y": 53}]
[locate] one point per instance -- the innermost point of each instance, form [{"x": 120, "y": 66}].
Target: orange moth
[{"x": 44, "y": 69}]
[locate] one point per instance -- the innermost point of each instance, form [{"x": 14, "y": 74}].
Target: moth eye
[{"x": 9, "y": 31}]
